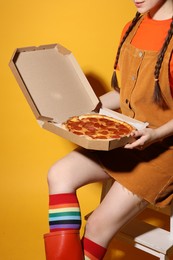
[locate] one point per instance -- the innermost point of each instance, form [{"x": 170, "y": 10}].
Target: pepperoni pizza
[{"x": 96, "y": 126}]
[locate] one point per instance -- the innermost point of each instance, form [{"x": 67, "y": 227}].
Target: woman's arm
[
  {"x": 143, "y": 137},
  {"x": 111, "y": 100},
  {"x": 148, "y": 136}
]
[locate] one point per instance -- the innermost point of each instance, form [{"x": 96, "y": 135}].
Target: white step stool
[{"x": 144, "y": 236}]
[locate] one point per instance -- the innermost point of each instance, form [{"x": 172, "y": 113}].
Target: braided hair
[
  {"x": 157, "y": 95},
  {"x": 114, "y": 82}
]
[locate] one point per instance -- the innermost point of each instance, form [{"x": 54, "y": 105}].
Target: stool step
[{"x": 148, "y": 236}]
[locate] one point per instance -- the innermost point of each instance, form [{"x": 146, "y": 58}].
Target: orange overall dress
[{"x": 147, "y": 173}]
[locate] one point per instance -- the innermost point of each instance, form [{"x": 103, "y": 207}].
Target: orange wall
[{"x": 91, "y": 30}]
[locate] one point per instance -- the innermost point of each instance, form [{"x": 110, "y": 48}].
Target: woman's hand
[
  {"x": 148, "y": 136},
  {"x": 143, "y": 138}
]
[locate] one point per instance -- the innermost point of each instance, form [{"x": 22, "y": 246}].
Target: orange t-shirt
[{"x": 150, "y": 36}]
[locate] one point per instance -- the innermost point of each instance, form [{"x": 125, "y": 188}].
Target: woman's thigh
[{"x": 78, "y": 168}]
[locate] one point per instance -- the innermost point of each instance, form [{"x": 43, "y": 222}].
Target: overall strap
[
  {"x": 170, "y": 47},
  {"x": 135, "y": 28}
]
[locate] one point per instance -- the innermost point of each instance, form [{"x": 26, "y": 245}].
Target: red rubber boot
[{"x": 63, "y": 245}]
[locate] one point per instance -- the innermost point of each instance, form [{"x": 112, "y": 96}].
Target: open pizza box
[{"x": 56, "y": 89}]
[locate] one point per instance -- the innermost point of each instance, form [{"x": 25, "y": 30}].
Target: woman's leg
[
  {"x": 117, "y": 208},
  {"x": 78, "y": 168},
  {"x": 73, "y": 171}
]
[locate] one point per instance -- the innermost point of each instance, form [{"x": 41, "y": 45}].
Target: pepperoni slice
[
  {"x": 104, "y": 132},
  {"x": 77, "y": 133},
  {"x": 76, "y": 127}
]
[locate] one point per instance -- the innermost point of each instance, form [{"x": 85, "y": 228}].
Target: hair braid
[
  {"x": 157, "y": 95},
  {"x": 114, "y": 82}
]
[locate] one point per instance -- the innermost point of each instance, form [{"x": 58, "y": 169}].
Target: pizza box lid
[{"x": 52, "y": 82}]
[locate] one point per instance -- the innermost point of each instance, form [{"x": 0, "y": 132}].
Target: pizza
[{"x": 96, "y": 126}]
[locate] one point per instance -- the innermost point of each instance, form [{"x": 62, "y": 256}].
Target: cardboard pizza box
[{"x": 56, "y": 89}]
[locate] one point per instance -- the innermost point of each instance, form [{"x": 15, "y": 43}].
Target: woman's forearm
[
  {"x": 111, "y": 100},
  {"x": 164, "y": 130}
]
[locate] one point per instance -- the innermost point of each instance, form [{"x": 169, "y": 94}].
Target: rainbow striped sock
[
  {"x": 92, "y": 250},
  {"x": 64, "y": 212}
]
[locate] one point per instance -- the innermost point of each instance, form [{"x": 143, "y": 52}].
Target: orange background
[{"x": 91, "y": 30}]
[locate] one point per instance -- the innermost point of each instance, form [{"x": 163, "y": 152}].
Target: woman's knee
[
  {"x": 59, "y": 178},
  {"x": 53, "y": 174}
]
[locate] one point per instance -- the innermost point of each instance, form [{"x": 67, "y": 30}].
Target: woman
[{"x": 145, "y": 61}]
